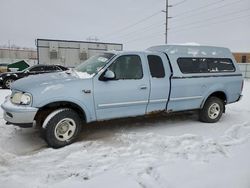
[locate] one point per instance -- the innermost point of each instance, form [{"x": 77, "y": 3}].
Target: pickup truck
[{"x": 119, "y": 84}]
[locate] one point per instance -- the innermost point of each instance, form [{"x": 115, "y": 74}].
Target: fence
[{"x": 245, "y": 69}]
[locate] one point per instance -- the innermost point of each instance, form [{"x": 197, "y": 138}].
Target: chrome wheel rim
[
  {"x": 214, "y": 111},
  {"x": 8, "y": 83},
  {"x": 65, "y": 129}
]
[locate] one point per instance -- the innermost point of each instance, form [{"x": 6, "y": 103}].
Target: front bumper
[
  {"x": 22, "y": 116},
  {"x": 1, "y": 81}
]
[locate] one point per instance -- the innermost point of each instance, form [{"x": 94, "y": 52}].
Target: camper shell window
[{"x": 205, "y": 65}]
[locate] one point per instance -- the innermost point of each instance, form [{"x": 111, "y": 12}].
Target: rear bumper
[{"x": 22, "y": 116}]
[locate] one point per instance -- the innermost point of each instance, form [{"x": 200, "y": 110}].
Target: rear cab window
[
  {"x": 205, "y": 65},
  {"x": 156, "y": 66}
]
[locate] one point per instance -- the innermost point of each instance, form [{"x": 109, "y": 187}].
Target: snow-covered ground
[{"x": 168, "y": 152}]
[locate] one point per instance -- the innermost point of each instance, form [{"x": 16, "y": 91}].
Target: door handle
[{"x": 143, "y": 87}]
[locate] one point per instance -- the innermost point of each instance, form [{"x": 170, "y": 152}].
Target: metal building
[{"x": 70, "y": 53}]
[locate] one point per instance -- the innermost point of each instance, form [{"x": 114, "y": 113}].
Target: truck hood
[{"x": 45, "y": 80}]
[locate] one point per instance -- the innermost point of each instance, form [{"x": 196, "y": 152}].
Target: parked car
[
  {"x": 166, "y": 78},
  {"x": 7, "y": 78}
]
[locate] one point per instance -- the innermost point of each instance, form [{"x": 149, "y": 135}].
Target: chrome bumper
[{"x": 19, "y": 115}]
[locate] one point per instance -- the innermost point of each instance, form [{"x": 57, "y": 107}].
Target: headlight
[{"x": 21, "y": 98}]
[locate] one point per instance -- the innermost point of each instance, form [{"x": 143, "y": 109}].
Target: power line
[
  {"x": 199, "y": 8},
  {"x": 147, "y": 36},
  {"x": 210, "y": 9},
  {"x": 212, "y": 18},
  {"x": 150, "y": 27},
  {"x": 144, "y": 29},
  {"x": 192, "y": 12},
  {"x": 154, "y": 35},
  {"x": 212, "y": 23},
  {"x": 134, "y": 24},
  {"x": 179, "y": 3}
]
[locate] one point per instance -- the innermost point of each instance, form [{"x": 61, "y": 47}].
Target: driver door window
[{"x": 127, "y": 67}]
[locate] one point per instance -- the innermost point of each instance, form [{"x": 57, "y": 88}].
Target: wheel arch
[
  {"x": 219, "y": 94},
  {"x": 14, "y": 78},
  {"x": 46, "y": 109}
]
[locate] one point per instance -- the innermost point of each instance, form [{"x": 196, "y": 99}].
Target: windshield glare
[{"x": 92, "y": 65}]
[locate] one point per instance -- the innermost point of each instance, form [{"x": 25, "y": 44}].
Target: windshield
[{"x": 92, "y": 65}]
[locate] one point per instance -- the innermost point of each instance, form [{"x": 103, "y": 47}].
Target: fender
[
  {"x": 211, "y": 90},
  {"x": 89, "y": 117}
]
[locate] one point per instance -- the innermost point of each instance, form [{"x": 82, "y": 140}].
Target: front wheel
[
  {"x": 62, "y": 127},
  {"x": 7, "y": 82},
  {"x": 212, "y": 110}
]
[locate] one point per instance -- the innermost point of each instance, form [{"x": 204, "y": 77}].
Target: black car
[{"x": 7, "y": 78}]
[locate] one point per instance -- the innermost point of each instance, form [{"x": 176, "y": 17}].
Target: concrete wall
[
  {"x": 70, "y": 53},
  {"x": 13, "y": 55},
  {"x": 245, "y": 69}
]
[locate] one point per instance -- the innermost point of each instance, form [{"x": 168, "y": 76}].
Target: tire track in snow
[{"x": 131, "y": 153}]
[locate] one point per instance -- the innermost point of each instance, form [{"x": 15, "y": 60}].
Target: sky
[{"x": 138, "y": 24}]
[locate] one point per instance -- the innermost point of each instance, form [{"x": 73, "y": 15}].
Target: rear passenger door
[{"x": 160, "y": 74}]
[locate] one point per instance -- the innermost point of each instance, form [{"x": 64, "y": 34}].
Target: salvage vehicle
[
  {"x": 168, "y": 78},
  {"x": 7, "y": 78}
]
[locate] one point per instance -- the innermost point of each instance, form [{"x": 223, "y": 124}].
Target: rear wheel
[
  {"x": 7, "y": 82},
  {"x": 62, "y": 127},
  {"x": 212, "y": 110}
]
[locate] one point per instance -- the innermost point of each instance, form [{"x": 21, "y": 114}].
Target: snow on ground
[{"x": 168, "y": 151}]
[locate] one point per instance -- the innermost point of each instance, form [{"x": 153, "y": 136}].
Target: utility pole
[
  {"x": 166, "y": 24},
  {"x": 166, "y": 34}
]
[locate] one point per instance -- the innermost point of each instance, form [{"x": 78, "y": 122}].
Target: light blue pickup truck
[{"x": 167, "y": 78}]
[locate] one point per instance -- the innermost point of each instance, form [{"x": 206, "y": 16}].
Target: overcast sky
[{"x": 209, "y": 22}]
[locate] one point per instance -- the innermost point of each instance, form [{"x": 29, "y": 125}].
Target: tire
[
  {"x": 62, "y": 127},
  {"x": 7, "y": 82},
  {"x": 212, "y": 110}
]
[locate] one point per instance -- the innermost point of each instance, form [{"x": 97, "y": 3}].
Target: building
[
  {"x": 242, "y": 57},
  {"x": 67, "y": 53},
  {"x": 12, "y": 55},
  {"x": 70, "y": 53}
]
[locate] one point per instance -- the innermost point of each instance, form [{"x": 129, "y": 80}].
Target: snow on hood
[
  {"x": 45, "y": 80},
  {"x": 83, "y": 75}
]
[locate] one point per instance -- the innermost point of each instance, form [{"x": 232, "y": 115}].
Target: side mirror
[{"x": 109, "y": 75}]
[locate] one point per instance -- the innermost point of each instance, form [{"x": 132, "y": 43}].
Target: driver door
[{"x": 127, "y": 94}]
